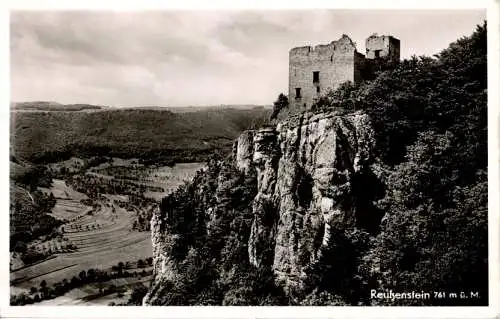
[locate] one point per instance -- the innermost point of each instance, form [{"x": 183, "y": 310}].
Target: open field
[
  {"x": 97, "y": 236},
  {"x": 63, "y": 191},
  {"x": 96, "y": 248},
  {"x": 89, "y": 295},
  {"x": 167, "y": 178},
  {"x": 68, "y": 205},
  {"x": 69, "y": 208}
]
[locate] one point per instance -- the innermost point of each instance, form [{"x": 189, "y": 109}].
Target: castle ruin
[{"x": 313, "y": 71}]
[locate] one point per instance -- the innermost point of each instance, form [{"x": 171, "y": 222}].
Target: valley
[
  {"x": 84, "y": 182},
  {"x": 104, "y": 231},
  {"x": 370, "y": 172}
]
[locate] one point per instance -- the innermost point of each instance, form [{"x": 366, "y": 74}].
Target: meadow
[{"x": 99, "y": 231}]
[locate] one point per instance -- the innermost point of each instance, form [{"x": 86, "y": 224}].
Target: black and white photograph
[{"x": 249, "y": 157}]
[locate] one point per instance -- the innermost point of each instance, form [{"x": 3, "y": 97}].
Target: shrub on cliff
[
  {"x": 345, "y": 97},
  {"x": 280, "y": 104},
  {"x": 323, "y": 298},
  {"x": 211, "y": 235}
]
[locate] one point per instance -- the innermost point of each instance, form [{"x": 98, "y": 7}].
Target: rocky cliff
[
  {"x": 311, "y": 212},
  {"x": 307, "y": 170}
]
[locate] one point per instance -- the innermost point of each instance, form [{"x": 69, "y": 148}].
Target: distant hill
[
  {"x": 58, "y": 107},
  {"x": 51, "y": 106},
  {"x": 189, "y": 109},
  {"x": 41, "y": 137}
]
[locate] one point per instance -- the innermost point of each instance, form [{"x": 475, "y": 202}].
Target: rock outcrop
[{"x": 306, "y": 167}]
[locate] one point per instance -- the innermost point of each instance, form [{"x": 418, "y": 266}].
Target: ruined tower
[
  {"x": 385, "y": 47},
  {"x": 313, "y": 71}
]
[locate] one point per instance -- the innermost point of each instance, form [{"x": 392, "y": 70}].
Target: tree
[
  {"x": 91, "y": 273},
  {"x": 323, "y": 298},
  {"x": 20, "y": 247},
  {"x": 345, "y": 96},
  {"x": 279, "y": 105},
  {"x": 140, "y": 263},
  {"x": 52, "y": 198},
  {"x": 137, "y": 295},
  {"x": 57, "y": 288},
  {"x": 74, "y": 281},
  {"x": 83, "y": 275},
  {"x": 435, "y": 232}
]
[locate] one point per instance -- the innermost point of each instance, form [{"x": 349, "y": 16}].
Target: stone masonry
[
  {"x": 384, "y": 46},
  {"x": 313, "y": 71}
]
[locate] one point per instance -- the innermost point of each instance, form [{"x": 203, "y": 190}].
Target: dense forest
[
  {"x": 153, "y": 136},
  {"x": 430, "y": 120}
]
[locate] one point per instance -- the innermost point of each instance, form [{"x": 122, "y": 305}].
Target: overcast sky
[{"x": 196, "y": 58}]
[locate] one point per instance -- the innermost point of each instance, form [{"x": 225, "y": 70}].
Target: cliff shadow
[{"x": 367, "y": 188}]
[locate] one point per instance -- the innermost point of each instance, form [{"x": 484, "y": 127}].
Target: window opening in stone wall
[
  {"x": 317, "y": 89},
  {"x": 315, "y": 76},
  {"x": 377, "y": 53},
  {"x": 297, "y": 93}
]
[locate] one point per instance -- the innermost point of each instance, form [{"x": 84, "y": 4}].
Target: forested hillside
[
  {"x": 42, "y": 137},
  {"x": 27, "y": 204},
  {"x": 419, "y": 225}
]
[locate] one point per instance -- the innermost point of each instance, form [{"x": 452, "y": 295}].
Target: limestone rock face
[
  {"x": 244, "y": 150},
  {"x": 306, "y": 171},
  {"x": 163, "y": 265}
]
